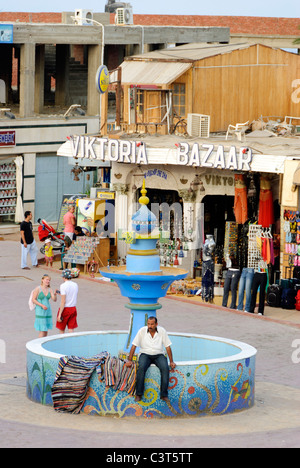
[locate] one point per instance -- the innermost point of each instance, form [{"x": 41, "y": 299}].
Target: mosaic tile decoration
[{"x": 218, "y": 385}]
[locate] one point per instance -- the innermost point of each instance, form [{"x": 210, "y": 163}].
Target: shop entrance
[
  {"x": 217, "y": 210},
  {"x": 168, "y": 220}
]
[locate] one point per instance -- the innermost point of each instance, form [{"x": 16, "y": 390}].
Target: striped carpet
[{"x": 73, "y": 375}]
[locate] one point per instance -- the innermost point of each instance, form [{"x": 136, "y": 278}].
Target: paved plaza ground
[{"x": 274, "y": 421}]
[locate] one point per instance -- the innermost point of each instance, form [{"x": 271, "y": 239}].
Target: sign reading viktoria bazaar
[{"x": 133, "y": 152}]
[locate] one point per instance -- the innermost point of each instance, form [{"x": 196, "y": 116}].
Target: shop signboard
[
  {"x": 67, "y": 200},
  {"x": 102, "y": 79},
  {"x": 106, "y": 195},
  {"x": 212, "y": 156},
  {"x": 133, "y": 152},
  {"x": 7, "y": 138},
  {"x": 6, "y": 33}
]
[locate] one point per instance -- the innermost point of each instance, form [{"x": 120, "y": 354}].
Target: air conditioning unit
[
  {"x": 83, "y": 17},
  {"x": 198, "y": 125},
  {"x": 124, "y": 16}
]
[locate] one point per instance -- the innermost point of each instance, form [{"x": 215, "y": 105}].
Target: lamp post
[
  {"x": 98, "y": 75},
  {"x": 100, "y": 72}
]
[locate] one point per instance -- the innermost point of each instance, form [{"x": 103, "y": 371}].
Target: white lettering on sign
[
  {"x": 296, "y": 94},
  {"x": 85, "y": 147},
  {"x": 209, "y": 156},
  {"x": 132, "y": 152}
]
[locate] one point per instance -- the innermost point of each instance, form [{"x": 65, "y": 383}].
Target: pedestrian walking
[
  {"x": 67, "y": 313},
  {"x": 28, "y": 244},
  {"x": 69, "y": 222},
  {"x": 43, "y": 312}
]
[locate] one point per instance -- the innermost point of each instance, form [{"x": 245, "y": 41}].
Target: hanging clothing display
[
  {"x": 266, "y": 209},
  {"x": 240, "y": 199},
  {"x": 252, "y": 197},
  {"x": 265, "y": 246},
  {"x": 291, "y": 227},
  {"x": 242, "y": 249},
  {"x": 230, "y": 240}
]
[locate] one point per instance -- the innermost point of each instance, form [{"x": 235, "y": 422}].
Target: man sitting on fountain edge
[{"x": 151, "y": 340}]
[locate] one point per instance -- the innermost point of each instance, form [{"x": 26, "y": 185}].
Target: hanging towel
[
  {"x": 272, "y": 252},
  {"x": 268, "y": 251}
]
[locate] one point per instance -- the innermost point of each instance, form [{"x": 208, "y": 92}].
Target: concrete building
[{"x": 48, "y": 95}]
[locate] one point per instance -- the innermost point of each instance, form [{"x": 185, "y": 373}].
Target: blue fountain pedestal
[
  {"x": 143, "y": 292},
  {"x": 142, "y": 280}
]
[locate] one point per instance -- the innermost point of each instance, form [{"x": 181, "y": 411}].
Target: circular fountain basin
[{"x": 212, "y": 376}]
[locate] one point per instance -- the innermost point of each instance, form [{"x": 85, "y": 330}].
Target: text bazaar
[{"x": 207, "y": 155}]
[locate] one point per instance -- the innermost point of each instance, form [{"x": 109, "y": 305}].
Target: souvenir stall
[
  {"x": 291, "y": 254},
  {"x": 248, "y": 250},
  {"x": 200, "y": 189},
  {"x": 8, "y": 191}
]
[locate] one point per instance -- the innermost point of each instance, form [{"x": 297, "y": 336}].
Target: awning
[
  {"x": 150, "y": 73},
  {"x": 104, "y": 154}
]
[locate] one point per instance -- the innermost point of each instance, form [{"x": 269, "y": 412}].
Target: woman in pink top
[{"x": 69, "y": 222}]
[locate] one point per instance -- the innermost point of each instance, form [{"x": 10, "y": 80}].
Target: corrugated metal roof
[
  {"x": 152, "y": 73},
  {"x": 162, "y": 67},
  {"x": 190, "y": 52}
]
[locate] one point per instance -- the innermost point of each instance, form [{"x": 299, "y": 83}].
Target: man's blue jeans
[
  {"x": 246, "y": 280},
  {"x": 145, "y": 360}
]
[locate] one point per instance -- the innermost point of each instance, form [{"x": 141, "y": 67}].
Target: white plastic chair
[{"x": 239, "y": 130}]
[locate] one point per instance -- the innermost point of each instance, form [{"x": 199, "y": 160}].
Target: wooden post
[{"x": 27, "y": 80}]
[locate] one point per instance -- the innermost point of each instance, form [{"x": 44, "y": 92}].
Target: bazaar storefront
[{"x": 198, "y": 189}]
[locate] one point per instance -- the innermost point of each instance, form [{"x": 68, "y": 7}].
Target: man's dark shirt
[{"x": 27, "y": 228}]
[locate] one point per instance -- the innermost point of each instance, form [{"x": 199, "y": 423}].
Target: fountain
[
  {"x": 212, "y": 376},
  {"x": 142, "y": 280}
]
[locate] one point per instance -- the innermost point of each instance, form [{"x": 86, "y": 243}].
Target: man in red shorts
[{"x": 67, "y": 313}]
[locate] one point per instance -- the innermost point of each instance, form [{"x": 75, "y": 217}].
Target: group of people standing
[
  {"x": 67, "y": 312},
  {"x": 28, "y": 243},
  {"x": 151, "y": 339}
]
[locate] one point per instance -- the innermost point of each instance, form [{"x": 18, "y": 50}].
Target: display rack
[
  {"x": 8, "y": 190},
  {"x": 86, "y": 249},
  {"x": 231, "y": 239},
  {"x": 254, "y": 254},
  {"x": 290, "y": 241}
]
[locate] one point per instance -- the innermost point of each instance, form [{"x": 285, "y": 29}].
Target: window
[
  {"x": 140, "y": 104},
  {"x": 179, "y": 99}
]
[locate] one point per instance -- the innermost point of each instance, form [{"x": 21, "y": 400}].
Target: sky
[{"x": 268, "y": 8}]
